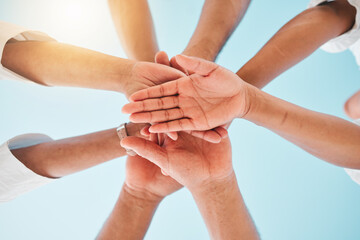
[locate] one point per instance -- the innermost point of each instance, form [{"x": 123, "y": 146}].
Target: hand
[
  {"x": 190, "y": 161},
  {"x": 145, "y": 180},
  {"x": 144, "y": 75},
  {"x": 209, "y": 98}
]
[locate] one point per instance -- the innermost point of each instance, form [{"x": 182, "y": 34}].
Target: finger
[
  {"x": 162, "y": 58},
  {"x": 173, "y": 135},
  {"x": 164, "y": 173},
  {"x": 154, "y": 138},
  {"x": 352, "y": 106},
  {"x": 196, "y": 65},
  {"x": 165, "y": 89},
  {"x": 208, "y": 135},
  {"x": 146, "y": 149},
  {"x": 184, "y": 124},
  {"x": 151, "y": 104},
  {"x": 174, "y": 64},
  {"x": 145, "y": 131},
  {"x": 223, "y": 133},
  {"x": 157, "y": 116}
]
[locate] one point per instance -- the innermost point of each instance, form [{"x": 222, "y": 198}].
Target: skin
[
  {"x": 73, "y": 66},
  {"x": 327, "y": 137},
  {"x": 130, "y": 16},
  {"x": 208, "y": 175},
  {"x": 144, "y": 188},
  {"x": 297, "y": 39},
  {"x": 218, "y": 20},
  {"x": 59, "y": 158}
]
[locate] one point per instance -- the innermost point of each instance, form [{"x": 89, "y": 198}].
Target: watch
[{"x": 122, "y": 133}]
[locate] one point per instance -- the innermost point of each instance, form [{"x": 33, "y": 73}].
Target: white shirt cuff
[
  {"x": 15, "y": 178},
  {"x": 11, "y": 31},
  {"x": 347, "y": 39}
]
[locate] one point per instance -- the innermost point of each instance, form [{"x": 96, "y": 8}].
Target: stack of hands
[{"x": 185, "y": 143}]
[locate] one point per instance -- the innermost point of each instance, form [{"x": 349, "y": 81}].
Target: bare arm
[
  {"x": 298, "y": 39},
  {"x": 328, "y": 137},
  {"x": 206, "y": 170},
  {"x": 58, "y": 64},
  {"x": 130, "y": 218},
  {"x": 224, "y": 211},
  {"x": 66, "y": 156},
  {"x": 218, "y": 20},
  {"x": 135, "y": 28}
]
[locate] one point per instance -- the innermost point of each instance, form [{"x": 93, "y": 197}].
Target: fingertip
[
  {"x": 126, "y": 109},
  {"x": 124, "y": 142},
  {"x": 173, "y": 135},
  {"x": 135, "y": 118},
  {"x": 164, "y": 173},
  {"x": 145, "y": 131}
]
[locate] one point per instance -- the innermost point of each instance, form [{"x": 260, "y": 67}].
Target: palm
[
  {"x": 191, "y": 160},
  {"x": 206, "y": 103},
  {"x": 146, "y": 75},
  {"x": 209, "y": 98},
  {"x": 144, "y": 176}
]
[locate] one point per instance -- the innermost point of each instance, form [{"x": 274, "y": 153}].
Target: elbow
[{"x": 341, "y": 12}]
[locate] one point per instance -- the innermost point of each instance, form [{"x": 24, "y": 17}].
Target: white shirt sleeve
[
  {"x": 15, "y": 178},
  {"x": 354, "y": 173},
  {"x": 347, "y": 39},
  {"x": 10, "y": 31}
]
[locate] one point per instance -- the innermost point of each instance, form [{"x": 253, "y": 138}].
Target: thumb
[
  {"x": 147, "y": 149},
  {"x": 196, "y": 65},
  {"x": 162, "y": 58}
]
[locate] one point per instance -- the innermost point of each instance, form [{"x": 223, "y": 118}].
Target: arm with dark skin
[
  {"x": 218, "y": 20},
  {"x": 297, "y": 39},
  {"x": 220, "y": 96}
]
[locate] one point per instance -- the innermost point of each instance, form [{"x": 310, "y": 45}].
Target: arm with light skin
[
  {"x": 135, "y": 28},
  {"x": 58, "y": 64},
  {"x": 144, "y": 188},
  {"x": 213, "y": 96},
  {"x": 297, "y": 39},
  {"x": 206, "y": 170},
  {"x": 218, "y": 20},
  {"x": 59, "y": 158}
]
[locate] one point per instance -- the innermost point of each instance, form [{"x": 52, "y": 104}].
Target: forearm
[
  {"x": 298, "y": 39},
  {"x": 66, "y": 156},
  {"x": 224, "y": 211},
  {"x": 57, "y": 64},
  {"x": 218, "y": 20},
  {"x": 327, "y": 137},
  {"x": 130, "y": 217},
  {"x": 135, "y": 28}
]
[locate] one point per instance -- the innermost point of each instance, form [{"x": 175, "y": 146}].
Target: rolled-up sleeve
[
  {"x": 15, "y": 178},
  {"x": 348, "y": 38},
  {"x": 9, "y": 31}
]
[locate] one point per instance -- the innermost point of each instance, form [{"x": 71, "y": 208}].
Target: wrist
[
  {"x": 124, "y": 76},
  {"x": 142, "y": 197},
  {"x": 201, "y": 50},
  {"x": 247, "y": 100},
  {"x": 213, "y": 186}
]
